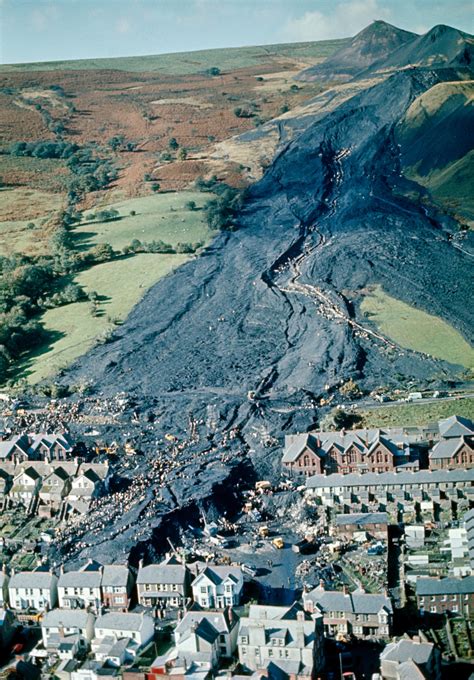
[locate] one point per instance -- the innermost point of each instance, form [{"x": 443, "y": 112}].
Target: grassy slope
[
  {"x": 181, "y": 63},
  {"x": 120, "y": 284},
  {"x": 432, "y": 122},
  {"x": 416, "y": 413},
  {"x": 162, "y": 216},
  {"x": 417, "y": 330}
]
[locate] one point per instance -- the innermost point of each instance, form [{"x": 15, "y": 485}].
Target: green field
[
  {"x": 158, "y": 217},
  {"x": 120, "y": 284},
  {"x": 183, "y": 63},
  {"x": 416, "y": 413},
  {"x": 416, "y": 330}
]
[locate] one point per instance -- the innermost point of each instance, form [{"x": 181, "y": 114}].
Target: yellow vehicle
[
  {"x": 263, "y": 532},
  {"x": 278, "y": 543}
]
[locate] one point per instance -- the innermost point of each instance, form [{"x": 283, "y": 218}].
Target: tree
[
  {"x": 182, "y": 154},
  {"x": 213, "y": 71},
  {"x": 116, "y": 142},
  {"x": 173, "y": 143},
  {"x": 155, "y": 186},
  {"x": 103, "y": 252},
  {"x": 190, "y": 205}
]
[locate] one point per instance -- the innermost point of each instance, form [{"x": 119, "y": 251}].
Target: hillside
[
  {"x": 442, "y": 120},
  {"x": 329, "y": 261},
  {"x": 373, "y": 43},
  {"x": 441, "y": 46}
]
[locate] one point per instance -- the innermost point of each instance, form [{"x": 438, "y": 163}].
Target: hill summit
[
  {"x": 440, "y": 46},
  {"x": 373, "y": 43}
]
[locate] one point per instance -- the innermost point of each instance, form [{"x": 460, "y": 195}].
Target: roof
[
  {"x": 80, "y": 579},
  {"x": 220, "y": 620},
  {"x": 69, "y": 618},
  {"x": 218, "y": 574},
  {"x": 115, "y": 575},
  {"x": 403, "y": 650},
  {"x": 357, "y": 602},
  {"x": 361, "y": 518},
  {"x": 32, "y": 579},
  {"x": 50, "y": 440},
  {"x": 298, "y": 445},
  {"x": 9, "y": 445},
  {"x": 445, "y": 586},
  {"x": 119, "y": 621},
  {"x": 386, "y": 478},
  {"x": 446, "y": 448},
  {"x": 169, "y": 571},
  {"x": 455, "y": 426}
]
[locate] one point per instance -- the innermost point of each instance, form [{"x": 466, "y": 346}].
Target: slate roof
[
  {"x": 218, "y": 574},
  {"x": 80, "y": 579},
  {"x": 119, "y": 621},
  {"x": 67, "y": 618},
  {"x": 6, "y": 447},
  {"x": 455, "y": 426},
  {"x": 386, "y": 478},
  {"x": 169, "y": 571},
  {"x": 219, "y": 619},
  {"x": 298, "y": 445},
  {"x": 404, "y": 650},
  {"x": 445, "y": 586},
  {"x": 115, "y": 575},
  {"x": 357, "y": 602},
  {"x": 361, "y": 518},
  {"x": 32, "y": 579},
  {"x": 446, "y": 448},
  {"x": 50, "y": 440}
]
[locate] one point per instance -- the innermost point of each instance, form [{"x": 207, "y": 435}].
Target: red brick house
[{"x": 452, "y": 453}]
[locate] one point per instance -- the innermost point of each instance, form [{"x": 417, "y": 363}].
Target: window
[
  {"x": 204, "y": 590},
  {"x": 270, "y": 652}
]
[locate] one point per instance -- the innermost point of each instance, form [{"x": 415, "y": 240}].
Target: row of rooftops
[
  {"x": 451, "y": 433},
  {"x": 33, "y": 444},
  {"x": 401, "y": 478}
]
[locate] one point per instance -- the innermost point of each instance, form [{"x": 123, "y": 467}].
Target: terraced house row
[{"x": 447, "y": 445}]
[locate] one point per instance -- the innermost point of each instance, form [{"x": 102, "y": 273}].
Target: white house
[
  {"x": 67, "y": 632},
  {"x": 81, "y": 589},
  {"x": 218, "y": 587},
  {"x": 33, "y": 590},
  {"x": 26, "y": 485},
  {"x": 87, "y": 484},
  {"x": 137, "y": 627}
]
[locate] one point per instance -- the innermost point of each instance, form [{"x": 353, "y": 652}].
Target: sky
[{"x": 47, "y": 30}]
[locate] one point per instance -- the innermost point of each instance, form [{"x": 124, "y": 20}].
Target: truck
[{"x": 278, "y": 543}]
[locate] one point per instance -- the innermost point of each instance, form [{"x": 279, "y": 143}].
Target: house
[
  {"x": 346, "y": 452},
  {"x": 81, "y": 589},
  {"x": 67, "y": 633},
  {"x": 94, "y": 670},
  {"x": 373, "y": 523},
  {"x": 4, "y": 579},
  {"x": 202, "y": 639},
  {"x": 407, "y": 659},
  {"x": 116, "y": 587},
  {"x": 86, "y": 485},
  {"x": 455, "y": 452},
  {"x": 136, "y": 629},
  {"x": 15, "y": 449},
  {"x": 51, "y": 446},
  {"x": 163, "y": 585},
  {"x": 304, "y": 455},
  {"x": 217, "y": 587},
  {"x": 55, "y": 487},
  {"x": 455, "y": 427},
  {"x": 26, "y": 485},
  {"x": 37, "y": 590},
  {"x": 358, "y": 613},
  {"x": 282, "y": 641},
  {"x": 431, "y": 483},
  {"x": 446, "y": 595}
]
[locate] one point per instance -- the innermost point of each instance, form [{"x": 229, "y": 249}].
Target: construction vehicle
[
  {"x": 170, "y": 438},
  {"x": 263, "y": 485},
  {"x": 263, "y": 531},
  {"x": 278, "y": 543}
]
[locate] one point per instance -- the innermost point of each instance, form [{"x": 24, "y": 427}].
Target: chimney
[
  {"x": 140, "y": 563},
  {"x": 230, "y": 614},
  {"x": 321, "y": 584},
  {"x": 61, "y": 569},
  {"x": 345, "y": 589}
]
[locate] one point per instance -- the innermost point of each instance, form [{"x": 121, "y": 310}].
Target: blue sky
[{"x": 45, "y": 30}]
